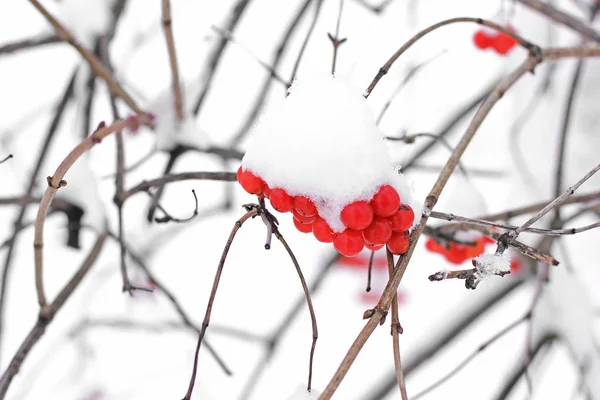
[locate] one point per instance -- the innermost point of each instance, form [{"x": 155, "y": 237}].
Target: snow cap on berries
[{"x": 322, "y": 142}]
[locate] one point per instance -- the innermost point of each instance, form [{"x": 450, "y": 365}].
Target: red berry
[
  {"x": 456, "y": 254},
  {"x": 379, "y": 232},
  {"x": 503, "y": 43},
  {"x": 302, "y": 218},
  {"x": 403, "y": 219},
  {"x": 482, "y": 40},
  {"x": 399, "y": 243},
  {"x": 373, "y": 247},
  {"x": 266, "y": 190},
  {"x": 434, "y": 246},
  {"x": 357, "y": 215},
  {"x": 349, "y": 243},
  {"x": 250, "y": 182},
  {"x": 487, "y": 240},
  {"x": 474, "y": 251},
  {"x": 515, "y": 266},
  {"x": 302, "y": 227},
  {"x": 322, "y": 231},
  {"x": 281, "y": 201},
  {"x": 305, "y": 206},
  {"x": 386, "y": 201}
]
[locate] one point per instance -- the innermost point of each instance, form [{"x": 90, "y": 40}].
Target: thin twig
[
  {"x": 471, "y": 356},
  {"x": 562, "y": 18},
  {"x": 266, "y": 86},
  {"x": 313, "y": 23},
  {"x": 370, "y": 270},
  {"x": 335, "y": 39},
  {"x": 29, "y": 43},
  {"x": 209, "y": 70},
  {"x": 229, "y": 36},
  {"x": 238, "y": 224},
  {"x": 46, "y": 317},
  {"x": 55, "y": 182},
  {"x": 96, "y": 65},
  {"x": 183, "y": 176},
  {"x": 169, "y": 218},
  {"x": 167, "y": 24},
  {"x": 396, "y": 330},
  {"x": 8, "y": 157},
  {"x": 533, "y": 49}
]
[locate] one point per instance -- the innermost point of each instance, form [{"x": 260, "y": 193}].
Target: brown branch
[
  {"x": 95, "y": 64},
  {"x": 562, "y": 18},
  {"x": 29, "y": 43},
  {"x": 238, "y": 224},
  {"x": 54, "y": 183},
  {"x": 431, "y": 200},
  {"x": 33, "y": 177},
  {"x": 47, "y": 315},
  {"x": 533, "y": 49},
  {"x": 396, "y": 330},
  {"x": 506, "y": 215},
  {"x": 187, "y": 321},
  {"x": 213, "y": 61},
  {"x": 335, "y": 39},
  {"x": 266, "y": 86},
  {"x": 184, "y": 176},
  {"x": 167, "y": 23}
]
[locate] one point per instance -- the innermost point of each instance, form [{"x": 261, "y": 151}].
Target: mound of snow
[{"x": 322, "y": 142}]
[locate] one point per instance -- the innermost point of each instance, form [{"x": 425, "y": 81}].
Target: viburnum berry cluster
[
  {"x": 320, "y": 156},
  {"x": 383, "y": 220},
  {"x": 457, "y": 253},
  {"x": 498, "y": 41}
]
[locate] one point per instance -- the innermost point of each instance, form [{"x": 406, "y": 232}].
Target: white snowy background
[{"x": 80, "y": 357}]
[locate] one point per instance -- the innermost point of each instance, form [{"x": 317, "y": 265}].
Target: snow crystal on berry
[{"x": 322, "y": 142}]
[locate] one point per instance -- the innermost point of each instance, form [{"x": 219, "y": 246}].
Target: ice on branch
[
  {"x": 302, "y": 394},
  {"x": 491, "y": 264},
  {"x": 322, "y": 142}
]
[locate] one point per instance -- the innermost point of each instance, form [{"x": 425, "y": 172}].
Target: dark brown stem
[
  {"x": 238, "y": 224},
  {"x": 29, "y": 43}
]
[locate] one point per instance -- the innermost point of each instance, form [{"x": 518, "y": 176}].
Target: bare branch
[{"x": 167, "y": 23}]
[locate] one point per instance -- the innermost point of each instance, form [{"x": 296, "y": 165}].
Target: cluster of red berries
[
  {"x": 457, "y": 253},
  {"x": 499, "y": 41},
  {"x": 382, "y": 221}
]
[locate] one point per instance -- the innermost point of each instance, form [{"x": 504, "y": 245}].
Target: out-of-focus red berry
[
  {"x": 482, "y": 40},
  {"x": 357, "y": 215},
  {"x": 402, "y": 219},
  {"x": 281, "y": 201},
  {"x": 456, "y": 254},
  {"x": 250, "y": 182},
  {"x": 434, "y": 246},
  {"x": 386, "y": 201},
  {"x": 474, "y": 251},
  {"x": 305, "y": 206},
  {"x": 302, "y": 227},
  {"x": 379, "y": 232},
  {"x": 349, "y": 243},
  {"x": 322, "y": 231},
  {"x": 399, "y": 243},
  {"x": 503, "y": 43}
]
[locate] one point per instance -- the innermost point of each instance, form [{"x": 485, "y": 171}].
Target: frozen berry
[
  {"x": 305, "y": 206},
  {"x": 482, "y": 40},
  {"x": 281, "y": 201},
  {"x": 373, "y": 247},
  {"x": 403, "y": 219},
  {"x": 386, "y": 201},
  {"x": 357, "y": 215},
  {"x": 302, "y": 218},
  {"x": 302, "y": 227},
  {"x": 399, "y": 243},
  {"x": 379, "y": 232},
  {"x": 322, "y": 231},
  {"x": 349, "y": 243},
  {"x": 250, "y": 182}
]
